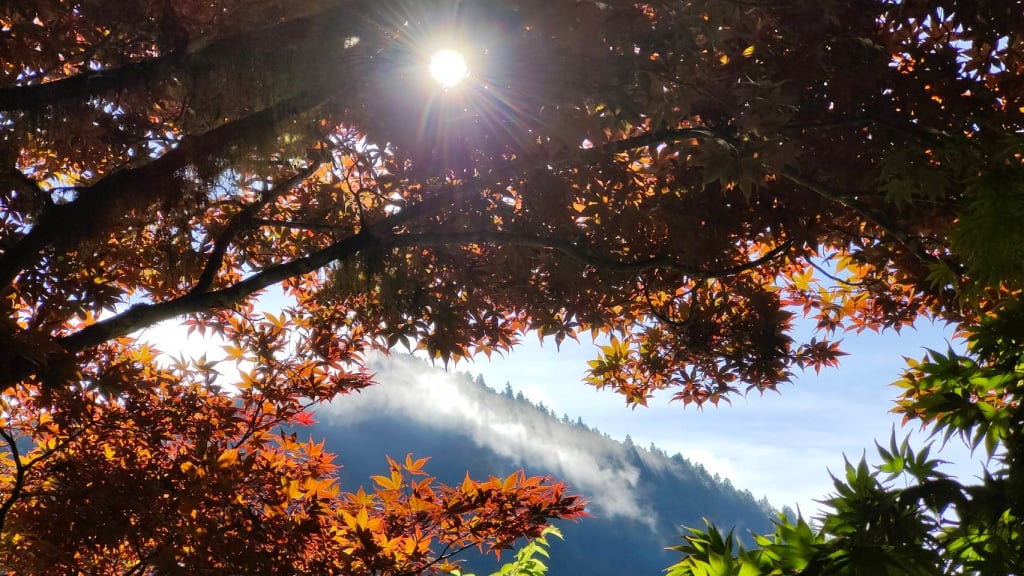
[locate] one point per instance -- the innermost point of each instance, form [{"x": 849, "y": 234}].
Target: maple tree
[
  {"x": 678, "y": 177},
  {"x": 905, "y": 516}
]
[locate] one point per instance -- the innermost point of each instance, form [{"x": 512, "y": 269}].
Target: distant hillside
[{"x": 640, "y": 497}]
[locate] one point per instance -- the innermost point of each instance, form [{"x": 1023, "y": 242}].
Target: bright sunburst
[{"x": 448, "y": 67}]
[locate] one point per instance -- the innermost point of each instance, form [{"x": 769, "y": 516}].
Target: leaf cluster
[
  {"x": 929, "y": 523},
  {"x": 678, "y": 179},
  {"x": 526, "y": 562}
]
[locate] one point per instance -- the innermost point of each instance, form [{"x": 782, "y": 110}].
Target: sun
[{"x": 448, "y": 67}]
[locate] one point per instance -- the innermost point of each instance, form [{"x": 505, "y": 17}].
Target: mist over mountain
[{"x": 640, "y": 497}]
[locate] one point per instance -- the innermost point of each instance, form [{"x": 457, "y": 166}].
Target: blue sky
[{"x": 777, "y": 445}]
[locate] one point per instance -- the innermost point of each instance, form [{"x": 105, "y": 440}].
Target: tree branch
[
  {"x": 313, "y": 226},
  {"x": 240, "y": 220},
  {"x": 124, "y": 191},
  {"x": 864, "y": 211},
  {"x": 21, "y": 468},
  {"x": 443, "y": 556},
  {"x": 19, "y": 477},
  {"x": 200, "y": 54},
  {"x": 582, "y": 254},
  {"x": 143, "y": 315},
  {"x": 652, "y": 138},
  {"x": 83, "y": 86}
]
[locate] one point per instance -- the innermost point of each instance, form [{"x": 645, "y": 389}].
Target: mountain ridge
[{"x": 640, "y": 497}]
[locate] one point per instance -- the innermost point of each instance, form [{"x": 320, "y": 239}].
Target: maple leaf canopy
[{"x": 678, "y": 179}]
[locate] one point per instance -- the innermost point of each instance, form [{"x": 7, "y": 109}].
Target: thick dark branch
[
  {"x": 583, "y": 255},
  {"x": 22, "y": 467},
  {"x": 19, "y": 477},
  {"x": 83, "y": 86},
  {"x": 866, "y": 212},
  {"x": 17, "y": 180},
  {"x": 654, "y": 138},
  {"x": 143, "y": 315},
  {"x": 122, "y": 192},
  {"x": 242, "y": 219},
  {"x": 143, "y": 73}
]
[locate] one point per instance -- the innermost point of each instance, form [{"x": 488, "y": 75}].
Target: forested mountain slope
[{"x": 639, "y": 497}]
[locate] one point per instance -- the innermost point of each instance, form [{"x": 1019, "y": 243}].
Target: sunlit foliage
[
  {"x": 679, "y": 178},
  {"x": 905, "y": 516}
]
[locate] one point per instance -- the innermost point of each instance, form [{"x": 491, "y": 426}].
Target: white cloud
[
  {"x": 415, "y": 390},
  {"x": 713, "y": 461},
  {"x": 779, "y": 445}
]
